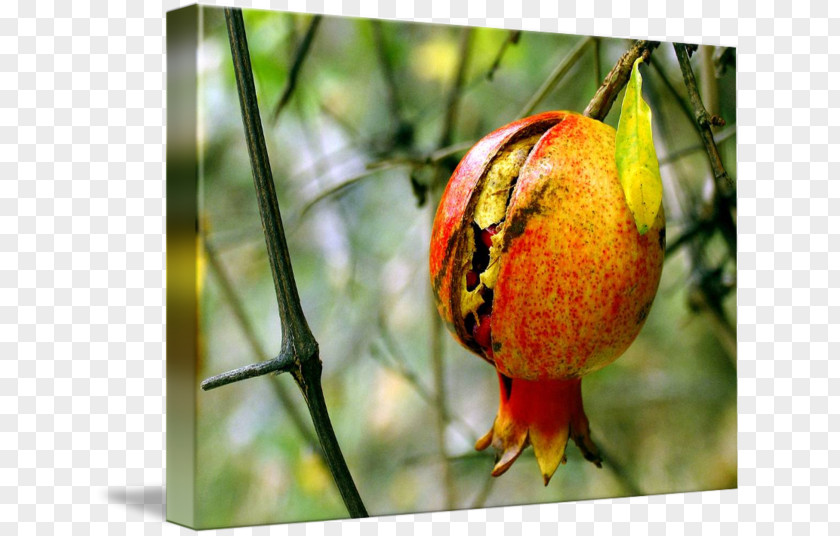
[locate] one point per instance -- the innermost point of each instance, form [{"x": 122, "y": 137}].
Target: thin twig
[
  {"x": 559, "y": 72},
  {"x": 373, "y": 168},
  {"x": 484, "y": 492},
  {"x": 381, "y": 49},
  {"x": 512, "y": 39},
  {"x": 720, "y": 137},
  {"x": 685, "y": 107},
  {"x": 724, "y": 198},
  {"x": 435, "y": 339},
  {"x": 619, "y": 471},
  {"x": 710, "y": 86},
  {"x": 454, "y": 96},
  {"x": 616, "y": 79},
  {"x": 400, "y": 365},
  {"x": 350, "y": 129},
  {"x": 425, "y": 458},
  {"x": 596, "y": 56},
  {"x": 350, "y": 181},
  {"x": 717, "y": 210},
  {"x": 698, "y": 227},
  {"x": 235, "y": 303},
  {"x": 281, "y": 363},
  {"x": 702, "y": 219},
  {"x": 297, "y": 63},
  {"x": 723, "y": 183},
  {"x": 436, "y": 350},
  {"x": 727, "y": 336},
  {"x": 429, "y": 159},
  {"x": 299, "y": 345}
]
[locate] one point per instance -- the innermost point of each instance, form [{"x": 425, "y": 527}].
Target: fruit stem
[{"x": 616, "y": 79}]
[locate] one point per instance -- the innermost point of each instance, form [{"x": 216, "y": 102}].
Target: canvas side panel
[{"x": 182, "y": 34}]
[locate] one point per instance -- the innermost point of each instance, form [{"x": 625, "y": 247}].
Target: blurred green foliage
[{"x": 664, "y": 414}]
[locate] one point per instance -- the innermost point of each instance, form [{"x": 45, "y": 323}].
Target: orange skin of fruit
[
  {"x": 448, "y": 228},
  {"x": 576, "y": 281}
]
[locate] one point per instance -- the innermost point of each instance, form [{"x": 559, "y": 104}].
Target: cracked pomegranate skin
[{"x": 563, "y": 288}]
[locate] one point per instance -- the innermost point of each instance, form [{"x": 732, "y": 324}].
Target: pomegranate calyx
[{"x": 542, "y": 413}]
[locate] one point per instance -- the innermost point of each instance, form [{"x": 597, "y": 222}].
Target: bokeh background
[{"x": 380, "y": 114}]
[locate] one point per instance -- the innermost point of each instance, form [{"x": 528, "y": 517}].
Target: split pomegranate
[{"x": 537, "y": 266}]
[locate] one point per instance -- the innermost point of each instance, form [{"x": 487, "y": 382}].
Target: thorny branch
[
  {"x": 235, "y": 303},
  {"x": 299, "y": 353}
]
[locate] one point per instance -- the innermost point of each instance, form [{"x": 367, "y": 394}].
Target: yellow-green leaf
[{"x": 635, "y": 155}]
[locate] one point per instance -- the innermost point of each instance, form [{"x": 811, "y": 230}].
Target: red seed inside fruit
[
  {"x": 481, "y": 253},
  {"x": 487, "y": 235},
  {"x": 481, "y": 332},
  {"x": 481, "y": 257},
  {"x": 472, "y": 280}
]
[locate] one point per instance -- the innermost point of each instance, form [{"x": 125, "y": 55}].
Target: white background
[{"x": 82, "y": 267}]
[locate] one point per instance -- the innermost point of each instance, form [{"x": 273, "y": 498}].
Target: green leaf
[{"x": 635, "y": 155}]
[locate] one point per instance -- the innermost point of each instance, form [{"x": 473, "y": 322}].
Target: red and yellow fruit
[{"x": 537, "y": 266}]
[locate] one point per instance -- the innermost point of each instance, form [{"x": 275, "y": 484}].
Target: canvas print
[{"x": 419, "y": 267}]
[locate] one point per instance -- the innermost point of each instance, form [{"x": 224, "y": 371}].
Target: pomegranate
[{"x": 537, "y": 266}]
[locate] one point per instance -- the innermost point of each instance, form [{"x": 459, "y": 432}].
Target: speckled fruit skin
[
  {"x": 576, "y": 286},
  {"x": 448, "y": 236},
  {"x": 576, "y": 281}
]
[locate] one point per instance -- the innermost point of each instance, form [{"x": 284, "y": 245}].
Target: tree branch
[
  {"x": 382, "y": 54},
  {"x": 680, "y": 100},
  {"x": 435, "y": 339},
  {"x": 281, "y": 363},
  {"x": 513, "y": 38},
  {"x": 235, "y": 303},
  {"x": 399, "y": 364},
  {"x": 596, "y": 57},
  {"x": 720, "y": 137},
  {"x": 616, "y": 79},
  {"x": 619, "y": 471},
  {"x": 297, "y": 63},
  {"x": 559, "y": 72},
  {"x": 454, "y": 95},
  {"x": 723, "y": 182},
  {"x": 430, "y": 159},
  {"x": 299, "y": 353}
]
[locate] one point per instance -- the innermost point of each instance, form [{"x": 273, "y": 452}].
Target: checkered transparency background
[{"x": 82, "y": 267}]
